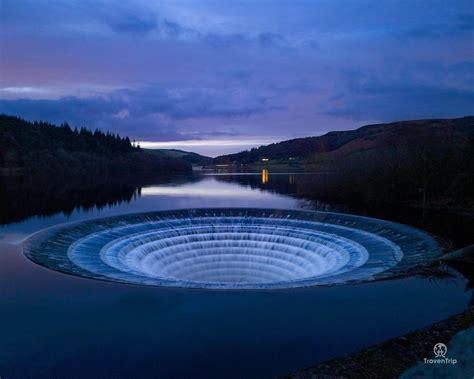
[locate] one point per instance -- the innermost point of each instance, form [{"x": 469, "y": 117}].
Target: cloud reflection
[{"x": 204, "y": 188}]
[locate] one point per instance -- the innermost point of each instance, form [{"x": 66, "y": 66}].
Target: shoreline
[{"x": 393, "y": 357}]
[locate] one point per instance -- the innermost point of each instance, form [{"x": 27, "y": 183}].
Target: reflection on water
[
  {"x": 190, "y": 192},
  {"x": 18, "y": 201},
  {"x": 291, "y": 178},
  {"x": 206, "y": 187},
  {"x": 264, "y": 176},
  {"x": 455, "y": 227},
  {"x": 71, "y": 201},
  {"x": 55, "y": 324}
]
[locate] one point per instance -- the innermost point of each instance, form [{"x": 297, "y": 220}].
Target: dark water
[{"x": 54, "y": 325}]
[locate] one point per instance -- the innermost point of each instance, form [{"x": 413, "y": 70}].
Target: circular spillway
[{"x": 233, "y": 248}]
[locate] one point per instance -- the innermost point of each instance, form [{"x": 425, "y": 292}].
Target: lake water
[{"x": 55, "y": 325}]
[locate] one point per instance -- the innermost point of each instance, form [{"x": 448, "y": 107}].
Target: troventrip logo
[{"x": 440, "y": 350}]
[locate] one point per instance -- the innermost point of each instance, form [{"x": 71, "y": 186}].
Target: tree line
[{"x": 40, "y": 150}]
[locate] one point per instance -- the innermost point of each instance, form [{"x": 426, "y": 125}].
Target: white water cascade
[{"x": 233, "y": 248}]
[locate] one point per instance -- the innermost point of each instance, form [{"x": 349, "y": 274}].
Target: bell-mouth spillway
[{"x": 233, "y": 248}]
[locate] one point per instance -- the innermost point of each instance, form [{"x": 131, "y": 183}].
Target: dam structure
[{"x": 233, "y": 248}]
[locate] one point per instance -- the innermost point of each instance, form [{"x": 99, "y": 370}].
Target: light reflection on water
[
  {"x": 208, "y": 187},
  {"x": 207, "y": 192},
  {"x": 264, "y": 176}
]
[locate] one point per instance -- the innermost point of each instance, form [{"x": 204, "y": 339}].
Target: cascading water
[{"x": 233, "y": 248}]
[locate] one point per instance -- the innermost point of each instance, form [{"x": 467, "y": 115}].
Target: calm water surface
[{"x": 55, "y": 325}]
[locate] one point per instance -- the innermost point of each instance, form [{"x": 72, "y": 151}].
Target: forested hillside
[
  {"x": 342, "y": 144},
  {"x": 431, "y": 160},
  {"x": 190, "y": 157},
  {"x": 42, "y": 150}
]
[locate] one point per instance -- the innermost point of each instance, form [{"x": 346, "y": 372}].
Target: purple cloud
[{"x": 197, "y": 70}]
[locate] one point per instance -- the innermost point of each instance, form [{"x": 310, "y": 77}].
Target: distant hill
[
  {"x": 190, "y": 157},
  {"x": 429, "y": 162},
  {"x": 41, "y": 150},
  {"x": 332, "y": 148}
]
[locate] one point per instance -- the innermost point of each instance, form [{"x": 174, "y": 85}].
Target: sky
[{"x": 223, "y": 76}]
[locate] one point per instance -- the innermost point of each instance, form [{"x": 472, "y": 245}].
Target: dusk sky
[{"x": 223, "y": 76}]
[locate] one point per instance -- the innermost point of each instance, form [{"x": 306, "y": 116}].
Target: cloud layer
[{"x": 186, "y": 70}]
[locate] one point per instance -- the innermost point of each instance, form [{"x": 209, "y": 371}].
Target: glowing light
[{"x": 264, "y": 176}]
